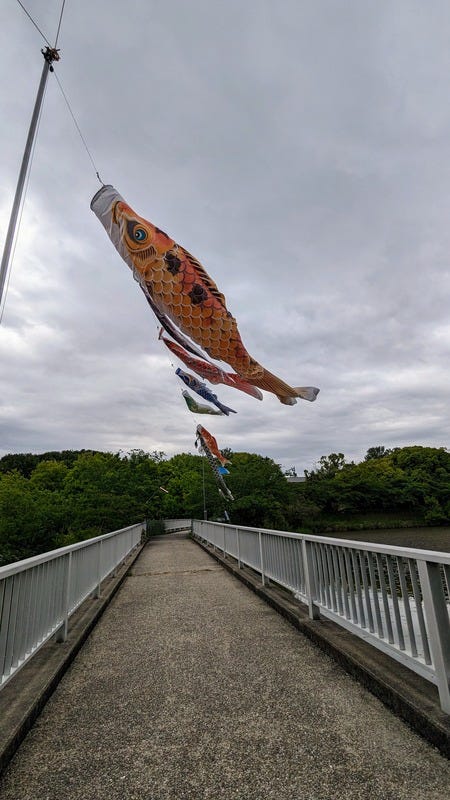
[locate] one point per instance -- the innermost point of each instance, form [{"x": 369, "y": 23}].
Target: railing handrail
[
  {"x": 33, "y": 561},
  {"x": 389, "y": 549},
  {"x": 39, "y": 595},
  {"x": 395, "y": 598},
  {"x": 185, "y": 520}
]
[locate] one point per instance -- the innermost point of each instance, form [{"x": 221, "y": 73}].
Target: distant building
[{"x": 296, "y": 479}]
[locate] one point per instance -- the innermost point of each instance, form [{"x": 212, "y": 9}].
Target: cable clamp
[{"x": 50, "y": 54}]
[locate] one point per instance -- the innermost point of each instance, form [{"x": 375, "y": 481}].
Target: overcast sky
[{"x": 300, "y": 149}]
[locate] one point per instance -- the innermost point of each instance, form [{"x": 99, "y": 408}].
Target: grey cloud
[{"x": 299, "y": 151}]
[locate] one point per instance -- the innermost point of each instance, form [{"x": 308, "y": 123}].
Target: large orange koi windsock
[{"x": 180, "y": 291}]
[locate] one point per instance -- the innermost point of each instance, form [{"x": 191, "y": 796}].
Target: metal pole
[
  {"x": 50, "y": 55},
  {"x": 205, "y": 513}
]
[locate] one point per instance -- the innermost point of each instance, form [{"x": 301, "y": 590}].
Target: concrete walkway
[{"x": 192, "y": 687}]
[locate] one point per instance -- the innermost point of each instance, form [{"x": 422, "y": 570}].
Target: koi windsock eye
[{"x": 136, "y": 232}]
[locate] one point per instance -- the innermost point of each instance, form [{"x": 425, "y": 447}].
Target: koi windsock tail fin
[
  {"x": 225, "y": 409},
  {"x": 307, "y": 392},
  {"x": 285, "y": 393}
]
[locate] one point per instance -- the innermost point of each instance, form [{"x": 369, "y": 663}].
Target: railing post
[
  {"x": 224, "y": 542},
  {"x": 99, "y": 570},
  {"x": 61, "y": 634},
  {"x": 438, "y": 625},
  {"x": 115, "y": 560},
  {"x": 308, "y": 566},
  {"x": 263, "y": 579},
  {"x": 238, "y": 548}
]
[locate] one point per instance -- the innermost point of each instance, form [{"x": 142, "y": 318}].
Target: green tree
[
  {"x": 376, "y": 452},
  {"x": 100, "y": 496},
  {"x": 30, "y": 518},
  {"x": 49, "y": 475},
  {"x": 329, "y": 466},
  {"x": 260, "y": 489},
  {"x": 409, "y": 479}
]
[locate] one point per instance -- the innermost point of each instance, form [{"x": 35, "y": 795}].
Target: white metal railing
[
  {"x": 396, "y": 598},
  {"x": 177, "y": 524},
  {"x": 39, "y": 594}
]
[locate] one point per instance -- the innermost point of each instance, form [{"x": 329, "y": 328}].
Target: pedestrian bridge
[{"x": 192, "y": 686}]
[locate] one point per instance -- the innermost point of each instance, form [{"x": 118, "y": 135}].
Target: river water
[{"x": 421, "y": 538}]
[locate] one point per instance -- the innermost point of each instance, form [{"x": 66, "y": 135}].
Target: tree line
[
  {"x": 409, "y": 485},
  {"x": 52, "y": 499}
]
